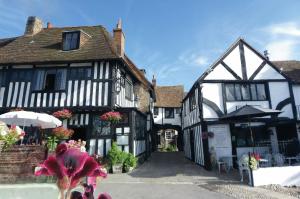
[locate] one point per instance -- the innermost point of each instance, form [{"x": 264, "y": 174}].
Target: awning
[{"x": 248, "y": 111}]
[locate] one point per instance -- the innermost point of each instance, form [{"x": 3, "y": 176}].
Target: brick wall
[{"x": 17, "y": 163}]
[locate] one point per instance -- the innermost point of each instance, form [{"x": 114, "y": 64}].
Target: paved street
[{"x": 165, "y": 175}]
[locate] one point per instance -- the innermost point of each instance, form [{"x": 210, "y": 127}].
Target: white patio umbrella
[{"x": 28, "y": 118}]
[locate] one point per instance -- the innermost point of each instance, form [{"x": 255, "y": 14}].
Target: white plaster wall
[
  {"x": 280, "y": 91},
  {"x": 220, "y": 72},
  {"x": 213, "y": 92},
  {"x": 209, "y": 113},
  {"x": 231, "y": 106},
  {"x": 160, "y": 118},
  {"x": 252, "y": 61},
  {"x": 268, "y": 72},
  {"x": 285, "y": 176},
  {"x": 296, "y": 91},
  {"x": 233, "y": 60}
]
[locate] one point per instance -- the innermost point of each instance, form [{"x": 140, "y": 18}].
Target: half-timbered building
[
  {"x": 167, "y": 115},
  {"x": 241, "y": 76},
  {"x": 84, "y": 69}
]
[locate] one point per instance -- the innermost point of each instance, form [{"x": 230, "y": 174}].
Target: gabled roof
[
  {"x": 169, "y": 96},
  {"x": 46, "y": 46},
  {"x": 291, "y": 68}
]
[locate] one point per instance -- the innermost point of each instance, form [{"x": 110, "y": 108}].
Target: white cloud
[
  {"x": 287, "y": 28},
  {"x": 193, "y": 59},
  {"x": 282, "y": 49},
  {"x": 283, "y": 40}
]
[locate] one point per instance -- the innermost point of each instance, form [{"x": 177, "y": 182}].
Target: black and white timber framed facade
[
  {"x": 242, "y": 76},
  {"x": 92, "y": 77}
]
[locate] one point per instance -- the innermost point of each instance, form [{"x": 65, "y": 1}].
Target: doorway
[
  {"x": 192, "y": 144},
  {"x": 79, "y": 133}
]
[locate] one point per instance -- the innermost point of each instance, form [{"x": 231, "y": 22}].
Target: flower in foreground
[{"x": 69, "y": 165}]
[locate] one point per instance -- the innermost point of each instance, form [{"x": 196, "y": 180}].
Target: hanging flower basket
[
  {"x": 112, "y": 117},
  {"x": 63, "y": 114},
  {"x": 62, "y": 133}
]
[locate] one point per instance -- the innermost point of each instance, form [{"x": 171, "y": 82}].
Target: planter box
[
  {"x": 284, "y": 176},
  {"x": 117, "y": 168}
]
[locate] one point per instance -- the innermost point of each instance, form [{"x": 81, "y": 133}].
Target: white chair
[
  {"x": 269, "y": 158},
  {"x": 244, "y": 166},
  {"x": 278, "y": 159}
]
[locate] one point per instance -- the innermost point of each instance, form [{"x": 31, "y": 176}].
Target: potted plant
[
  {"x": 63, "y": 114},
  {"x": 113, "y": 117},
  {"x": 62, "y": 133},
  {"x": 116, "y": 158},
  {"x": 130, "y": 162}
]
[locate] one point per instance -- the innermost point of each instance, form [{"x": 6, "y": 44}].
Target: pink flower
[{"x": 70, "y": 165}]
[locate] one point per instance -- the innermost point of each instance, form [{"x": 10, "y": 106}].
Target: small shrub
[
  {"x": 171, "y": 148},
  {"x": 130, "y": 161},
  {"x": 115, "y": 155}
]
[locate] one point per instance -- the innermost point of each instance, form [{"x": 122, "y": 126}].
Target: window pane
[
  {"x": 155, "y": 111},
  {"x": 60, "y": 82},
  {"x": 67, "y": 41},
  {"x": 245, "y": 92},
  {"x": 261, "y": 92},
  {"x": 2, "y": 78},
  {"x": 229, "y": 92},
  {"x": 128, "y": 90},
  {"x": 238, "y": 95},
  {"x": 169, "y": 113},
  {"x": 253, "y": 91},
  {"x": 39, "y": 79},
  {"x": 74, "y": 41}
]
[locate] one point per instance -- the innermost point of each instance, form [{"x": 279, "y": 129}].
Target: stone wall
[{"x": 17, "y": 163}]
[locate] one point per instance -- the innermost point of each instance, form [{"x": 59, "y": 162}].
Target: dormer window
[{"x": 71, "y": 40}]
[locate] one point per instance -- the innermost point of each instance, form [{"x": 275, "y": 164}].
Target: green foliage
[
  {"x": 115, "y": 155},
  {"x": 130, "y": 161},
  {"x": 52, "y": 143},
  {"x": 10, "y": 139},
  {"x": 171, "y": 148}
]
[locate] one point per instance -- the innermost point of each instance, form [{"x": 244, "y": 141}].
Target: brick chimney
[
  {"x": 33, "y": 26},
  {"x": 153, "y": 80},
  {"x": 119, "y": 39},
  {"x": 49, "y": 25}
]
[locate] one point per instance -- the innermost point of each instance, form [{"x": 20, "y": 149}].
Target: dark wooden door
[{"x": 192, "y": 144}]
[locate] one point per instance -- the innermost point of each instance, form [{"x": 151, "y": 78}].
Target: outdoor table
[{"x": 290, "y": 159}]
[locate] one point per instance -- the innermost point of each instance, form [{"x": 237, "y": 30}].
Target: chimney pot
[
  {"x": 49, "y": 25},
  {"x": 33, "y": 26},
  {"x": 154, "y": 81}
]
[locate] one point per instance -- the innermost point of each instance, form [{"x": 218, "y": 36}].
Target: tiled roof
[
  {"x": 169, "y": 96},
  {"x": 291, "y": 68},
  {"x": 46, "y": 46}
]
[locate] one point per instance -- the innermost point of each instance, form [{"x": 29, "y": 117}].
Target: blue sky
[{"x": 174, "y": 39}]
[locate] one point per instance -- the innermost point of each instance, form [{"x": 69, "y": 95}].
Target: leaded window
[
  {"x": 169, "y": 112},
  {"x": 71, "y": 40},
  {"x": 245, "y": 92}
]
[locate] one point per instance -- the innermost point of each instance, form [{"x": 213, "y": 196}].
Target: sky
[{"x": 175, "y": 40}]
